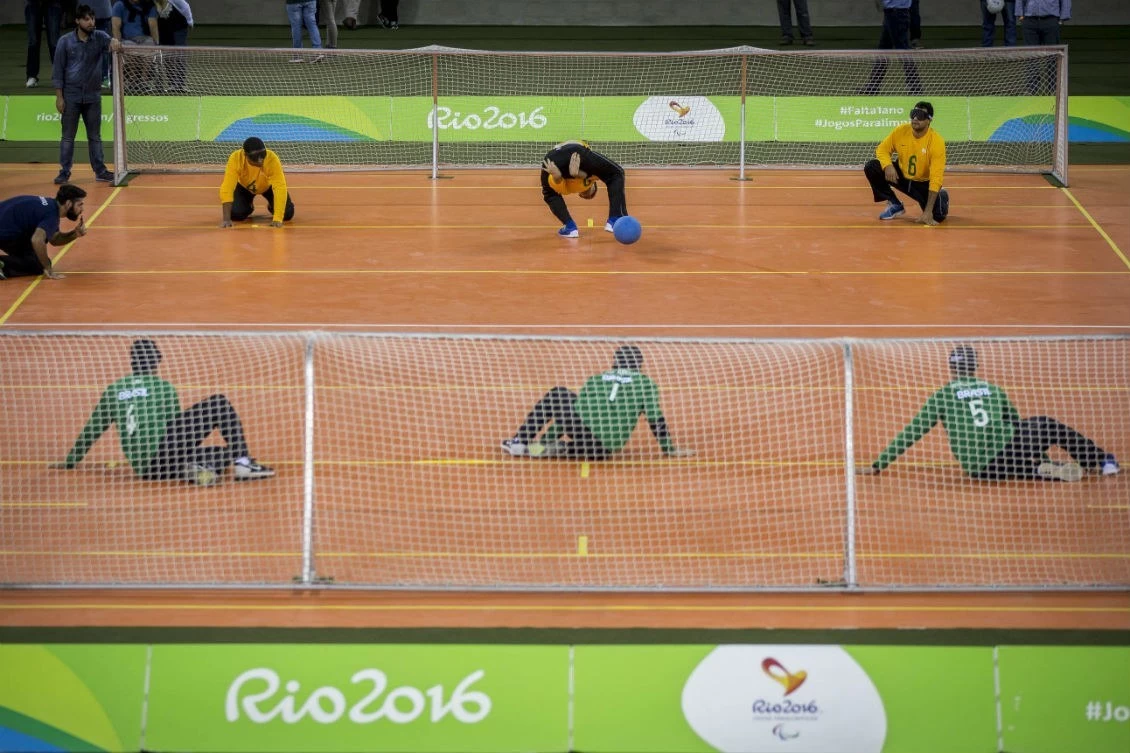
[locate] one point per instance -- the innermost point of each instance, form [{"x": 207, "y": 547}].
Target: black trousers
[
  {"x": 1021, "y": 457},
  {"x": 20, "y": 259},
  {"x": 180, "y": 446},
  {"x": 919, "y": 190},
  {"x": 594, "y": 164},
  {"x": 559, "y": 406},
  {"x": 895, "y": 36},
  {"x": 242, "y": 204}
]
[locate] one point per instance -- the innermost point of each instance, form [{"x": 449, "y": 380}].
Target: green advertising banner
[
  {"x": 683, "y": 119},
  {"x": 71, "y": 697},
  {"x": 1065, "y": 698},
  {"x": 285, "y": 698},
  {"x": 820, "y": 699}
]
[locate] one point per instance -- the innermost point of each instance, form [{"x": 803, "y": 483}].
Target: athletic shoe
[
  {"x": 252, "y": 471},
  {"x": 105, "y": 83},
  {"x": 32, "y": 82},
  {"x": 569, "y": 230},
  {"x": 296, "y": 60},
  {"x": 394, "y": 26},
  {"x": 1110, "y": 465},
  {"x": 609, "y": 224},
  {"x": 785, "y": 41},
  {"x": 318, "y": 58},
  {"x": 809, "y": 42},
  {"x": 1052, "y": 471},
  {"x": 201, "y": 475},
  {"x": 943, "y": 203},
  {"x": 62, "y": 178},
  {"x": 2, "y": 275},
  {"x": 894, "y": 209},
  {"x": 515, "y": 447},
  {"x": 383, "y": 21},
  {"x": 350, "y": 23},
  {"x": 104, "y": 177}
]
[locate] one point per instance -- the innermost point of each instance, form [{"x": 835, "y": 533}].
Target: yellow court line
[
  {"x": 542, "y": 226},
  {"x": 728, "y": 185},
  {"x": 1097, "y": 226},
  {"x": 35, "y": 283},
  {"x": 153, "y": 205},
  {"x": 246, "y": 607},
  {"x": 569, "y": 555},
  {"x": 614, "y": 272}
]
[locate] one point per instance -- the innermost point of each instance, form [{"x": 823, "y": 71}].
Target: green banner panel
[
  {"x": 71, "y": 697},
  {"x": 285, "y": 698},
  {"x": 1060, "y": 699},
  {"x": 817, "y": 699},
  {"x": 683, "y": 119}
]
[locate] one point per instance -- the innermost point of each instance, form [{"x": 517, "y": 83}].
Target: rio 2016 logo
[
  {"x": 491, "y": 117},
  {"x": 328, "y": 704}
]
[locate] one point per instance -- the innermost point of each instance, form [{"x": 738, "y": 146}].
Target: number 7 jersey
[
  {"x": 978, "y": 417},
  {"x": 610, "y": 404}
]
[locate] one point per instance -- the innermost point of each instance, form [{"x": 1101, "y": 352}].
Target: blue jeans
[
  {"x": 35, "y": 12},
  {"x": 91, "y": 114},
  {"x": 989, "y": 24},
  {"x": 302, "y": 14}
]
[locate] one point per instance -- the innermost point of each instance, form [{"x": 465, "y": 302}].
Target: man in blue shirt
[
  {"x": 29, "y": 223},
  {"x": 78, "y": 91},
  {"x": 134, "y": 22}
]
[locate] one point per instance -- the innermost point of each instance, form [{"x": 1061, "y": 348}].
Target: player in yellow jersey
[
  {"x": 254, "y": 171},
  {"x": 912, "y": 159},
  {"x": 571, "y": 167}
]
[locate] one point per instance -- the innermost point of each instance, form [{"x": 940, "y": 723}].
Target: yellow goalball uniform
[
  {"x": 921, "y": 159},
  {"x": 255, "y": 179},
  {"x": 566, "y": 186}
]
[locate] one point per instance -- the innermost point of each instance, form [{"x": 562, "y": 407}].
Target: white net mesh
[
  {"x": 410, "y": 487},
  {"x": 362, "y": 109}
]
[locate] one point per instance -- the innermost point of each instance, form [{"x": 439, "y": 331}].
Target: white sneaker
[
  {"x": 514, "y": 447},
  {"x": 1069, "y": 472},
  {"x": 296, "y": 60},
  {"x": 252, "y": 471},
  {"x": 1110, "y": 466},
  {"x": 318, "y": 58},
  {"x": 550, "y": 449},
  {"x": 32, "y": 82}
]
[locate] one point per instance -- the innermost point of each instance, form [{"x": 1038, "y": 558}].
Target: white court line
[{"x": 440, "y": 327}]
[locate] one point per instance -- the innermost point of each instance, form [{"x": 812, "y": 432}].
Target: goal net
[
  {"x": 187, "y": 108},
  {"x": 391, "y": 470}
]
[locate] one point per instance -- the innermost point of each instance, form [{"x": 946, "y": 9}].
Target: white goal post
[
  {"x": 391, "y": 471},
  {"x": 187, "y": 108}
]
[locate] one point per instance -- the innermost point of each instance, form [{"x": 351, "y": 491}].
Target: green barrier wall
[{"x": 752, "y": 698}]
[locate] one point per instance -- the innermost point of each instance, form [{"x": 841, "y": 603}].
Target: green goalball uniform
[
  {"x": 610, "y": 404},
  {"x": 142, "y": 406},
  {"x": 979, "y": 420}
]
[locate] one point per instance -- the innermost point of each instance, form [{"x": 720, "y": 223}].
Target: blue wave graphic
[
  {"x": 1018, "y": 129},
  {"x": 241, "y": 129},
  {"x": 10, "y": 739}
]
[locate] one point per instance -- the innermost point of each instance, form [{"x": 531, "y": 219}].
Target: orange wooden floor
[{"x": 787, "y": 254}]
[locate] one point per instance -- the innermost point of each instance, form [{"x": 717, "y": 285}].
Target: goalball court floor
[{"x": 783, "y": 255}]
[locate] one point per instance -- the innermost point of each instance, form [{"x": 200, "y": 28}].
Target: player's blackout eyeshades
[
  {"x": 257, "y": 156},
  {"x": 919, "y": 114}
]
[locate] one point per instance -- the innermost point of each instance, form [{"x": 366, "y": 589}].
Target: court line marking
[
  {"x": 479, "y": 555},
  {"x": 211, "y": 207},
  {"x": 442, "y": 326},
  {"x": 1110, "y": 241},
  {"x": 248, "y": 607},
  {"x": 544, "y": 227},
  {"x": 35, "y": 283},
  {"x": 611, "y": 272},
  {"x": 636, "y": 186}
]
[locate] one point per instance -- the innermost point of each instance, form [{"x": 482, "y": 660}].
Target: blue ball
[{"x": 627, "y": 230}]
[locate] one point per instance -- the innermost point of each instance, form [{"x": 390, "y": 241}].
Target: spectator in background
[
  {"x": 804, "y": 25},
  {"x": 36, "y": 14},
  {"x": 1040, "y": 19},
  {"x": 102, "y": 21},
  {"x": 915, "y": 26},
  {"x": 352, "y": 13},
  {"x": 989, "y": 22},
  {"x": 174, "y": 21},
  {"x": 134, "y": 22},
  {"x": 327, "y": 9},
  {"x": 78, "y": 91},
  {"x": 895, "y": 36},
  {"x": 390, "y": 19},
  {"x": 301, "y": 14}
]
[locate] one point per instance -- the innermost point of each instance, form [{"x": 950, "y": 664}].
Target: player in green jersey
[
  {"x": 600, "y": 419},
  {"x": 160, "y": 441},
  {"x": 988, "y": 437}
]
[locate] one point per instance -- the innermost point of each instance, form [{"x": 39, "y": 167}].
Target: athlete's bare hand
[{"x": 551, "y": 168}]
